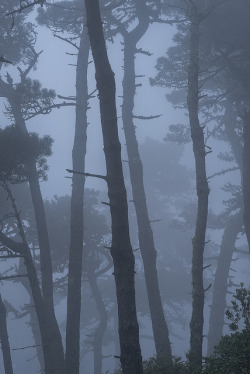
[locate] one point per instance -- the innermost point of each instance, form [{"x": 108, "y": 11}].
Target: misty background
[{"x": 169, "y": 178}]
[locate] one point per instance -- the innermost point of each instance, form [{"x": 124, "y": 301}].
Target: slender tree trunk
[
  {"x": 217, "y": 313},
  {"x": 72, "y": 356},
  {"x": 197, "y": 320},
  {"x": 246, "y": 174},
  {"x": 146, "y": 240},
  {"x": 47, "y": 326},
  {"x": 121, "y": 249},
  {"x": 44, "y": 245},
  {"x": 33, "y": 319},
  {"x": 233, "y": 227},
  {"x": 101, "y": 328},
  {"x": 5, "y": 339}
]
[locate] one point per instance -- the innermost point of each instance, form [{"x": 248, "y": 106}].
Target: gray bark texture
[
  {"x": 54, "y": 355},
  {"x": 197, "y": 319},
  {"x": 7, "y": 362},
  {"x": 246, "y": 174},
  {"x": 218, "y": 306},
  {"x": 101, "y": 328},
  {"x": 47, "y": 328},
  {"x": 233, "y": 227},
  {"x": 72, "y": 356},
  {"x": 146, "y": 239},
  {"x": 121, "y": 250}
]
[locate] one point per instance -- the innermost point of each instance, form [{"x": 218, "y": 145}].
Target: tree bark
[
  {"x": 217, "y": 313},
  {"x": 5, "y": 339},
  {"x": 121, "y": 250},
  {"x": 48, "y": 330},
  {"x": 246, "y": 174},
  {"x": 233, "y": 227},
  {"x": 197, "y": 319},
  {"x": 146, "y": 240},
  {"x": 72, "y": 357},
  {"x": 101, "y": 328},
  {"x": 55, "y": 340}
]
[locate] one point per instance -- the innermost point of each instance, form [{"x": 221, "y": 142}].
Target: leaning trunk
[
  {"x": 72, "y": 357},
  {"x": 5, "y": 339},
  {"x": 217, "y": 313},
  {"x": 146, "y": 240},
  {"x": 44, "y": 245},
  {"x": 121, "y": 249},
  {"x": 196, "y": 324}
]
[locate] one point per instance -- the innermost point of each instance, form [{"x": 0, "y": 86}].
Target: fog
[{"x": 171, "y": 178}]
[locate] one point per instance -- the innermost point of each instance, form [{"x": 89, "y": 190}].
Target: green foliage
[
  {"x": 239, "y": 315},
  {"x": 160, "y": 365},
  {"x": 33, "y": 98},
  {"x": 232, "y": 355},
  {"x": 16, "y": 149},
  {"x": 16, "y": 35}
]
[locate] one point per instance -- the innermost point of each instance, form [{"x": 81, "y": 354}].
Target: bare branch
[
  {"x": 147, "y": 117},
  {"x": 222, "y": 172},
  {"x": 28, "y": 346},
  {"x": 87, "y": 174},
  {"x": 66, "y": 97},
  {"x": 206, "y": 289},
  {"x": 140, "y": 50},
  {"x": 67, "y": 40},
  {"x": 207, "y": 266},
  {"x": 8, "y": 277}
]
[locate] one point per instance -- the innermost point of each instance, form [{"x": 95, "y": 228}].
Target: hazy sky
[{"x": 54, "y": 72}]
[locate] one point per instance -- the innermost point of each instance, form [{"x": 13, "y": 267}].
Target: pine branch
[
  {"x": 26, "y": 6},
  {"x": 48, "y": 109}
]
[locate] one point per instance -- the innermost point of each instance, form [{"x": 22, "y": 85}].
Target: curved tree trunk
[
  {"x": 217, "y": 313},
  {"x": 72, "y": 357},
  {"x": 121, "y": 250},
  {"x": 44, "y": 245},
  {"x": 5, "y": 339},
  {"x": 146, "y": 240},
  {"x": 47, "y": 326},
  {"x": 197, "y": 320}
]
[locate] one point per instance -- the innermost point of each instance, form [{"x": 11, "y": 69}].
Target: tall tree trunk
[
  {"x": 72, "y": 357},
  {"x": 217, "y": 313},
  {"x": 121, "y": 250},
  {"x": 47, "y": 327},
  {"x": 5, "y": 339},
  {"x": 233, "y": 227},
  {"x": 43, "y": 238},
  {"x": 246, "y": 174},
  {"x": 197, "y": 320},
  {"x": 146, "y": 240},
  {"x": 101, "y": 328}
]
